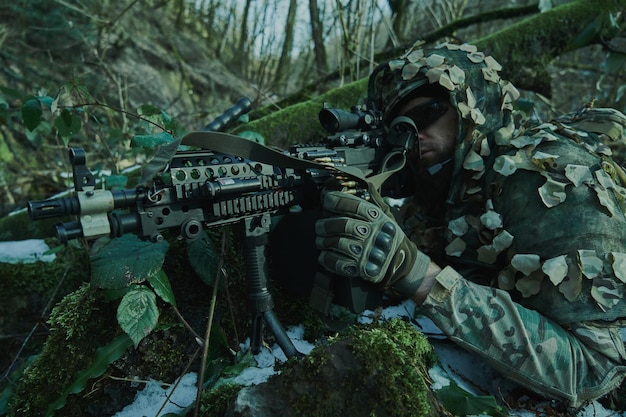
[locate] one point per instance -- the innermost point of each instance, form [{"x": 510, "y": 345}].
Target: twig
[
  {"x": 187, "y": 325},
  {"x": 205, "y": 352},
  {"x": 167, "y": 398}
]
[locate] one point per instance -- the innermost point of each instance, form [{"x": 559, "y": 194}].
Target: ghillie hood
[{"x": 483, "y": 100}]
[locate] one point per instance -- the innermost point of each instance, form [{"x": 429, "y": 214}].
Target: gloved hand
[{"x": 360, "y": 239}]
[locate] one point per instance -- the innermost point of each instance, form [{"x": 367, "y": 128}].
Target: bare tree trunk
[
  {"x": 398, "y": 16},
  {"x": 318, "y": 38},
  {"x": 285, "y": 58},
  {"x": 243, "y": 40},
  {"x": 222, "y": 45}
]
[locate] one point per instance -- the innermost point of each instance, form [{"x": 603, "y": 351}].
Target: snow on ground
[
  {"x": 153, "y": 400},
  {"x": 25, "y": 251},
  {"x": 455, "y": 365}
]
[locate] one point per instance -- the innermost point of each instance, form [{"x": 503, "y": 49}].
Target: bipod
[{"x": 255, "y": 233}]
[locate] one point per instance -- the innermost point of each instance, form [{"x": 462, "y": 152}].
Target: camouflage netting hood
[
  {"x": 538, "y": 211},
  {"x": 483, "y": 100}
]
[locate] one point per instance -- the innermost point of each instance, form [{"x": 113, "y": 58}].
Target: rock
[{"x": 375, "y": 370}]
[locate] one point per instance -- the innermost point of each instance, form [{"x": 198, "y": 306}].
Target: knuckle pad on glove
[
  {"x": 384, "y": 239},
  {"x": 373, "y": 271},
  {"x": 377, "y": 257}
]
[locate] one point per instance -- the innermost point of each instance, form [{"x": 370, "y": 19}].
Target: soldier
[{"x": 514, "y": 243}]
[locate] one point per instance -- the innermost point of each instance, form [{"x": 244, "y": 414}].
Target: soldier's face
[{"x": 437, "y": 128}]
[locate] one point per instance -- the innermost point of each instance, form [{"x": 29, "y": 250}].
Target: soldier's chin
[{"x": 426, "y": 160}]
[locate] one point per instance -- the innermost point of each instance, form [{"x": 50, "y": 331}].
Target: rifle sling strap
[{"x": 236, "y": 145}]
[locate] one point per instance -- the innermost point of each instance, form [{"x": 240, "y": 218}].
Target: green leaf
[
  {"x": 137, "y": 313},
  {"x": 151, "y": 141},
  {"x": 147, "y": 110},
  {"x": 221, "y": 370},
  {"x": 67, "y": 124},
  {"x": 153, "y": 114},
  {"x": 203, "y": 258},
  {"x": 461, "y": 403},
  {"x": 31, "y": 113},
  {"x": 105, "y": 355},
  {"x": 46, "y": 100},
  {"x": 161, "y": 285},
  {"x": 126, "y": 260}
]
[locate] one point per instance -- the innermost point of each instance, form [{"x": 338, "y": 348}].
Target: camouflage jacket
[{"x": 538, "y": 212}]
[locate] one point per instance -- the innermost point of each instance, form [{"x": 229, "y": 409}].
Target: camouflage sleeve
[{"x": 576, "y": 364}]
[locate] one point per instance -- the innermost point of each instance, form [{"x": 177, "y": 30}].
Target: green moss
[
  {"x": 381, "y": 369},
  {"x": 79, "y": 325},
  {"x": 214, "y": 403},
  {"x": 398, "y": 357}
]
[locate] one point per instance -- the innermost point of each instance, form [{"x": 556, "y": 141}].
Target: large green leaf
[
  {"x": 31, "y": 113},
  {"x": 67, "y": 124},
  {"x": 461, "y": 403},
  {"x": 151, "y": 141},
  {"x": 126, "y": 260},
  {"x": 203, "y": 258},
  {"x": 105, "y": 355},
  {"x": 137, "y": 313}
]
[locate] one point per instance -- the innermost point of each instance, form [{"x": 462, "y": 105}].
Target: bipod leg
[{"x": 255, "y": 233}]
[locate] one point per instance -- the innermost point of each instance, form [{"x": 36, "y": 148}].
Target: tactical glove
[{"x": 360, "y": 239}]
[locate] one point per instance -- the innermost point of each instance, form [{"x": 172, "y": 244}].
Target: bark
[
  {"x": 285, "y": 56},
  {"x": 243, "y": 39},
  {"x": 318, "y": 39},
  {"x": 398, "y": 10}
]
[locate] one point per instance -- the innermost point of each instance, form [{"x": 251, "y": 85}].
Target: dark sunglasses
[{"x": 427, "y": 113}]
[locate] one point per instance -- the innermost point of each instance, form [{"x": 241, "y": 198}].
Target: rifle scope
[{"x": 337, "y": 120}]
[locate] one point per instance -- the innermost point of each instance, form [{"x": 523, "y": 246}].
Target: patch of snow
[
  {"x": 149, "y": 400},
  {"x": 269, "y": 356},
  {"x": 25, "y": 251}
]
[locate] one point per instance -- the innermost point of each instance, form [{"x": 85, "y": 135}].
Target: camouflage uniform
[{"x": 533, "y": 230}]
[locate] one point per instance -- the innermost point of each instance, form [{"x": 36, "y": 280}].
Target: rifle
[{"x": 230, "y": 181}]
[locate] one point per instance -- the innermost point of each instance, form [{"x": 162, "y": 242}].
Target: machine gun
[{"x": 230, "y": 181}]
